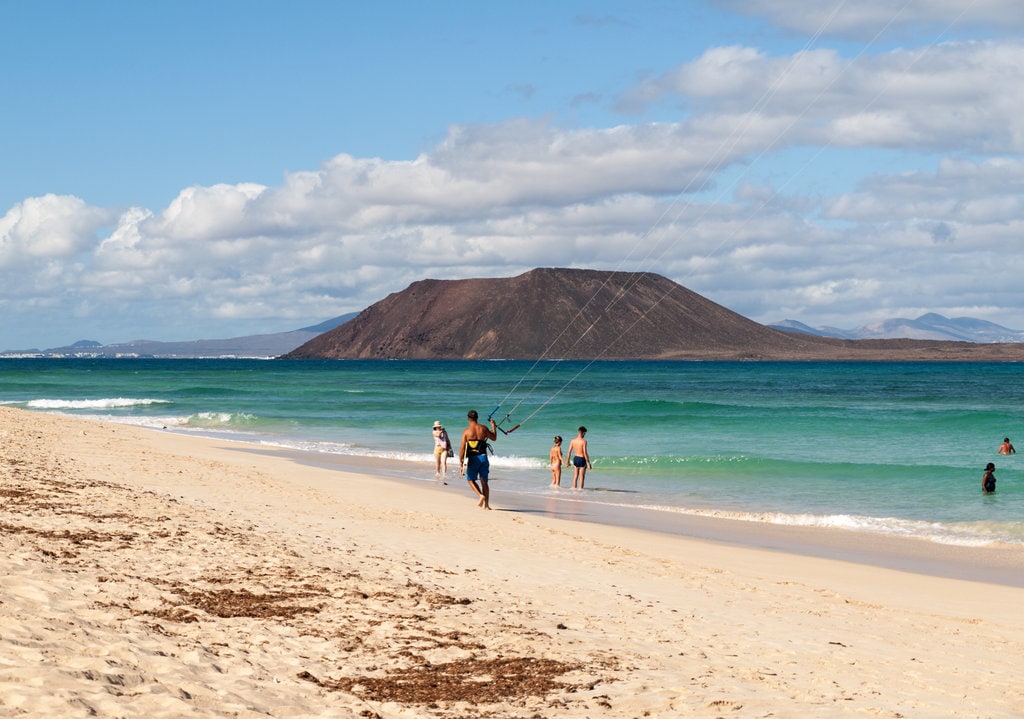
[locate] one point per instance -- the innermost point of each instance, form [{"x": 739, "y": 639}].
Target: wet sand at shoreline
[
  {"x": 997, "y": 564},
  {"x": 151, "y": 574}
]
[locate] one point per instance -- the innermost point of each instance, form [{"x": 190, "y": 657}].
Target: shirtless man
[
  {"x": 578, "y": 458},
  {"x": 473, "y": 457},
  {"x": 1006, "y": 447}
]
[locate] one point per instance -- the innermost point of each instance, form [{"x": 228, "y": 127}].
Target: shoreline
[
  {"x": 996, "y": 564},
  {"x": 150, "y": 574}
]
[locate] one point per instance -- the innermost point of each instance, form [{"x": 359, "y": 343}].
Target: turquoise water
[{"x": 882, "y": 447}]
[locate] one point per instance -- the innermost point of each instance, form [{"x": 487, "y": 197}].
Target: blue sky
[{"x": 178, "y": 170}]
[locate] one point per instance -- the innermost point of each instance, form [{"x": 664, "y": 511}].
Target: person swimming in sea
[{"x": 988, "y": 480}]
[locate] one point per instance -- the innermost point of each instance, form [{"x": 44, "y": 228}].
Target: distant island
[{"x": 557, "y": 313}]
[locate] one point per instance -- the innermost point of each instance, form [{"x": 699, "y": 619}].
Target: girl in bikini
[{"x": 556, "y": 462}]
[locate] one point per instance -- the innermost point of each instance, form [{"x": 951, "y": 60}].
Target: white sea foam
[
  {"x": 210, "y": 420},
  {"x": 966, "y": 535},
  {"x": 150, "y": 422},
  {"x": 99, "y": 404},
  {"x": 352, "y": 450}
]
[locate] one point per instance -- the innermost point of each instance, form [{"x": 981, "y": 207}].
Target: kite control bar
[{"x": 507, "y": 418}]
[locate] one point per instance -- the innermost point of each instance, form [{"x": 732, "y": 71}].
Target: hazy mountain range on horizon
[
  {"x": 250, "y": 346},
  {"x": 929, "y": 326}
]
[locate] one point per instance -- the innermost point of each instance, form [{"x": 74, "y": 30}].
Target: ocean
[{"x": 890, "y": 448}]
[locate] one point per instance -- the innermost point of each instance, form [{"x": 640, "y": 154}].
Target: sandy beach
[{"x": 149, "y": 574}]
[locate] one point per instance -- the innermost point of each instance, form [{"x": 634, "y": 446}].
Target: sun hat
[{"x": 438, "y": 424}]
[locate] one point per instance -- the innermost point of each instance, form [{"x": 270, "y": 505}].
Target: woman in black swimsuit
[{"x": 988, "y": 480}]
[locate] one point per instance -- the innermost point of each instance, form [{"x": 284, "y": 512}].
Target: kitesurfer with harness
[{"x": 473, "y": 456}]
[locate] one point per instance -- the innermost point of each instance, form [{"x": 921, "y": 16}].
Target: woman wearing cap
[
  {"x": 442, "y": 449},
  {"x": 988, "y": 480}
]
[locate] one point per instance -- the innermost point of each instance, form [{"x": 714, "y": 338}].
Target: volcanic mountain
[{"x": 551, "y": 313}]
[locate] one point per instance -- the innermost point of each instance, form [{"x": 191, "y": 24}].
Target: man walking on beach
[
  {"x": 579, "y": 459},
  {"x": 473, "y": 457}
]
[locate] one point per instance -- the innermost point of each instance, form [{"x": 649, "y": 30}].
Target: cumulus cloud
[
  {"x": 959, "y": 192},
  {"x": 52, "y": 227},
  {"x": 952, "y": 95},
  {"x": 207, "y": 213}
]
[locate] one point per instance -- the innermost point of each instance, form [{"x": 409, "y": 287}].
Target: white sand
[{"x": 148, "y": 574}]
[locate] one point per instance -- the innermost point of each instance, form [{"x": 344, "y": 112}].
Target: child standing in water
[
  {"x": 580, "y": 459},
  {"x": 555, "y": 457}
]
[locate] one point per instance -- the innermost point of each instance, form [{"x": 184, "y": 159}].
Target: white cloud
[
  {"x": 869, "y": 18},
  {"x": 207, "y": 213},
  {"x": 51, "y": 227},
  {"x": 962, "y": 95},
  {"x": 984, "y": 193}
]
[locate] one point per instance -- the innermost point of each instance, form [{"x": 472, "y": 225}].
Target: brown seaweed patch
[
  {"x": 468, "y": 680},
  {"x": 231, "y": 603},
  {"x": 174, "y": 614},
  {"x": 79, "y": 537}
]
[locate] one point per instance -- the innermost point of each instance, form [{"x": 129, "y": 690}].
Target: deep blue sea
[{"x": 895, "y": 448}]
